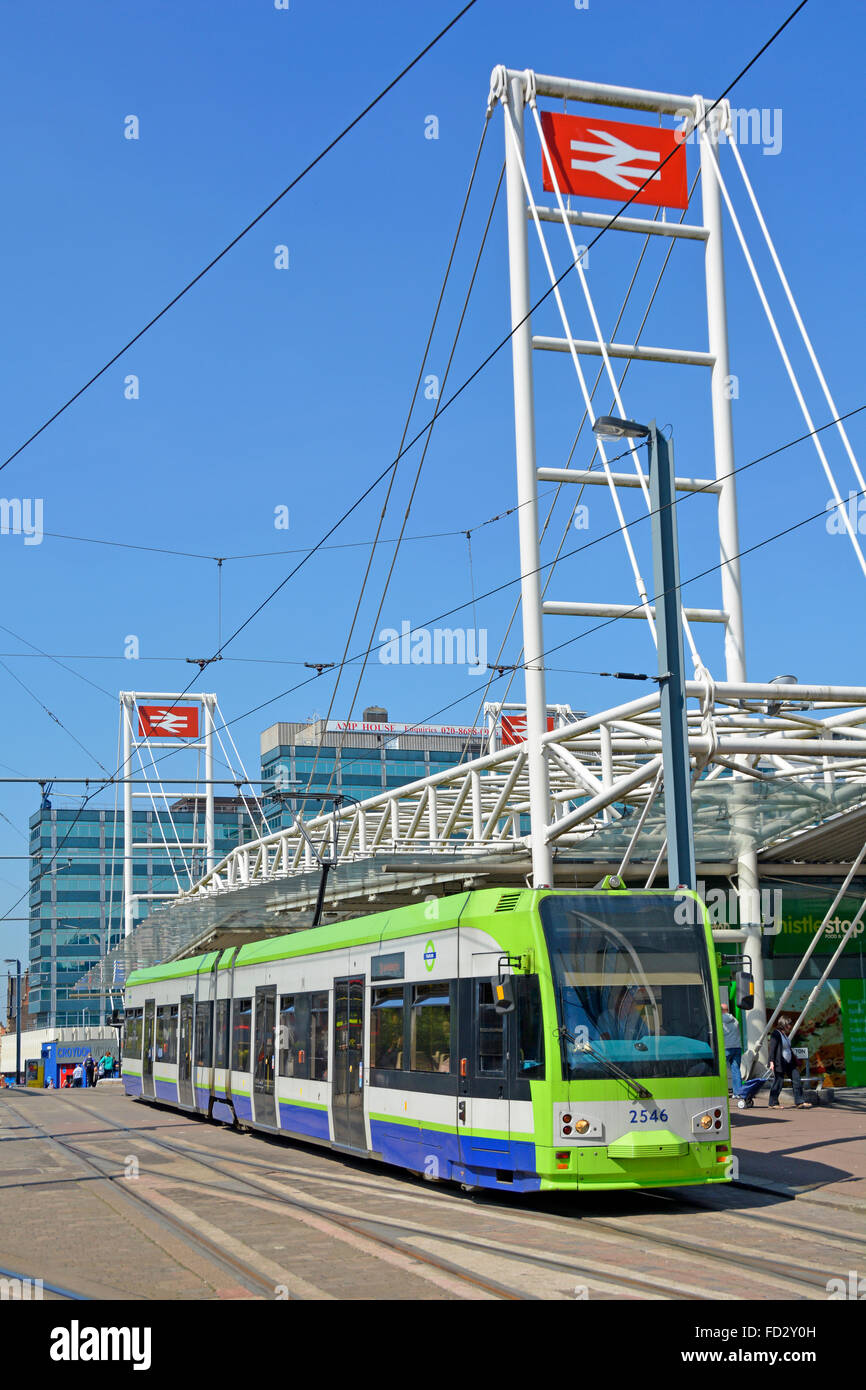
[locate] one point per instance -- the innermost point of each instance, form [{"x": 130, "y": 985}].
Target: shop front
[{"x": 59, "y": 1059}]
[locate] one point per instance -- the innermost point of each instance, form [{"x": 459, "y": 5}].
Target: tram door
[
  {"x": 148, "y": 1047},
  {"x": 184, "y": 1053},
  {"x": 484, "y": 1089},
  {"x": 264, "y": 1097},
  {"x": 347, "y": 1090}
]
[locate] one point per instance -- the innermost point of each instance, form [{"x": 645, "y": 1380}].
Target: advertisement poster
[
  {"x": 821, "y": 1030},
  {"x": 854, "y": 1026}
]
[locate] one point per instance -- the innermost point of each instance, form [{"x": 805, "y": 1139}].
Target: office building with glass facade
[
  {"x": 76, "y": 888},
  {"x": 356, "y": 759}
]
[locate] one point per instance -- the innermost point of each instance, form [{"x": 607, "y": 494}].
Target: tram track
[
  {"x": 399, "y": 1234},
  {"x": 617, "y": 1231},
  {"x": 249, "y": 1276},
  {"x": 803, "y": 1230},
  {"x": 606, "y": 1276},
  {"x": 244, "y": 1268}
]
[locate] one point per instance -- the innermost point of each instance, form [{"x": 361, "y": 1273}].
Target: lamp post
[
  {"x": 669, "y": 630},
  {"x": 12, "y": 960}
]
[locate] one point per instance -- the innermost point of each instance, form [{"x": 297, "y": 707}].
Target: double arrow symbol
[{"x": 616, "y": 157}]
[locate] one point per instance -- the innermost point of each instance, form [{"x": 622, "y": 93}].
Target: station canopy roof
[{"x": 782, "y": 818}]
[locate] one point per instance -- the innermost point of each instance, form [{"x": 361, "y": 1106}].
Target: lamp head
[{"x": 612, "y": 427}]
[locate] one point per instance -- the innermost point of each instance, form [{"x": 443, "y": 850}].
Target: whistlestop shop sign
[
  {"x": 611, "y": 159},
  {"x": 168, "y": 721}
]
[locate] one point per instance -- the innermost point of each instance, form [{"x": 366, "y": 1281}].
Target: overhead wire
[
  {"x": 578, "y": 433},
  {"x": 420, "y": 376},
  {"x": 441, "y": 407},
  {"x": 248, "y": 228},
  {"x": 427, "y": 440},
  {"x": 587, "y": 545}
]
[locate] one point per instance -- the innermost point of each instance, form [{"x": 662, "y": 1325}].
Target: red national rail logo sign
[
  {"x": 513, "y": 728},
  {"x": 610, "y": 159},
  {"x": 168, "y": 721}
]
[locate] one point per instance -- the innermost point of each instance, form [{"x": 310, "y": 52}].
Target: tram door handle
[{"x": 461, "y": 1111}]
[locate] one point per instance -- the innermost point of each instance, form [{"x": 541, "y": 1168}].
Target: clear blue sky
[{"x": 268, "y": 388}]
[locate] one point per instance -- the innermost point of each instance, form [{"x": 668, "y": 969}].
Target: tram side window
[
  {"x": 241, "y": 1028},
  {"x": 166, "y": 1033},
  {"x": 430, "y": 1028},
  {"x": 132, "y": 1033},
  {"x": 386, "y": 1028},
  {"x": 294, "y": 1036},
  {"x": 203, "y": 1030},
  {"x": 222, "y": 1033},
  {"x": 319, "y": 1036},
  {"x": 491, "y": 1032},
  {"x": 530, "y": 1027}
]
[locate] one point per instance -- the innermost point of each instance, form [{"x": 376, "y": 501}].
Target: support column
[
  {"x": 606, "y": 739},
  {"x": 672, "y": 694},
  {"x": 527, "y": 491},
  {"x": 209, "y": 835},
  {"x": 729, "y": 539},
  {"x": 127, "y": 707}
]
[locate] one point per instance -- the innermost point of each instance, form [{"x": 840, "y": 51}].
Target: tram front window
[{"x": 632, "y": 987}]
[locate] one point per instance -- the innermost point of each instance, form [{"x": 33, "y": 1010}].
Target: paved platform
[{"x": 818, "y": 1154}]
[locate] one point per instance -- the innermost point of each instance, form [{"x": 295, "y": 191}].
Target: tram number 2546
[{"x": 643, "y": 1117}]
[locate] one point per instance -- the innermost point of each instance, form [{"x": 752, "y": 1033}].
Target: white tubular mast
[
  {"x": 127, "y": 704},
  {"x": 208, "y": 702},
  {"x": 723, "y": 425},
  {"x": 511, "y": 94}
]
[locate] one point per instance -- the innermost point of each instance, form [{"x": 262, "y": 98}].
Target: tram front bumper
[{"x": 660, "y": 1159}]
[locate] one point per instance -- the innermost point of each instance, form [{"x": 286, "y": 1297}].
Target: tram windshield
[{"x": 632, "y": 984}]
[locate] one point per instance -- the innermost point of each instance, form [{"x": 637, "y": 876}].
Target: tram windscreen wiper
[{"x": 612, "y": 1067}]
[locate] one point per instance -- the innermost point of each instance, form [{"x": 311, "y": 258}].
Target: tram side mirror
[
  {"x": 745, "y": 986},
  {"x": 503, "y": 994}
]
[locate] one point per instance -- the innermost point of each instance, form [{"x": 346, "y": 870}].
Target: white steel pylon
[
  {"x": 151, "y": 721},
  {"x": 515, "y": 91}
]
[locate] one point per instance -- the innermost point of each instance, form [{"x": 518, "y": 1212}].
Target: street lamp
[
  {"x": 669, "y": 630},
  {"x": 12, "y": 960}
]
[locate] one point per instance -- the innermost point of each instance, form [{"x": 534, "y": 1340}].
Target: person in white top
[{"x": 733, "y": 1046}]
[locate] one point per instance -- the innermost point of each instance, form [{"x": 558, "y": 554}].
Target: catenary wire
[
  {"x": 272, "y": 204},
  {"x": 586, "y": 546},
  {"x": 441, "y": 407},
  {"x": 412, "y": 403},
  {"x": 467, "y": 381}
]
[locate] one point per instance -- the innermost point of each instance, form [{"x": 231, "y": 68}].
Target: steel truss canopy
[
  {"x": 771, "y": 763},
  {"x": 775, "y": 767}
]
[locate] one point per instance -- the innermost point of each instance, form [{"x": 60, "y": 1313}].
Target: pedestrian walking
[
  {"x": 783, "y": 1063},
  {"x": 90, "y": 1069},
  {"x": 107, "y": 1064},
  {"x": 733, "y": 1045},
  {"x": 77, "y": 1074}
]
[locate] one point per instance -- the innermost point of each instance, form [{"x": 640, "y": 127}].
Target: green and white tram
[{"x": 514, "y": 1039}]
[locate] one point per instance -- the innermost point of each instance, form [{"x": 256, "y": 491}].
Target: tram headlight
[
  {"x": 582, "y": 1126},
  {"x": 706, "y": 1121}
]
